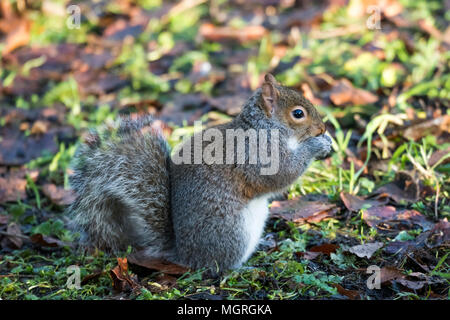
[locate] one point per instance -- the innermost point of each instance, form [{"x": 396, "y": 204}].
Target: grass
[{"x": 35, "y": 272}]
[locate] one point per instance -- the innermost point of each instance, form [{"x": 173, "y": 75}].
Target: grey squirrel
[{"x": 131, "y": 191}]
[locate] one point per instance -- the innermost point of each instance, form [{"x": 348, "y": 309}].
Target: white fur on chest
[
  {"x": 255, "y": 215},
  {"x": 292, "y": 143}
]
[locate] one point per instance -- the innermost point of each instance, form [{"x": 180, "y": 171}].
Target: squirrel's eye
[{"x": 298, "y": 113}]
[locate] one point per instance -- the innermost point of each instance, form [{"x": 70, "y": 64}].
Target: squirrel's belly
[{"x": 255, "y": 216}]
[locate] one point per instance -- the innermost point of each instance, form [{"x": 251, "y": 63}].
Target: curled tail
[{"x": 121, "y": 180}]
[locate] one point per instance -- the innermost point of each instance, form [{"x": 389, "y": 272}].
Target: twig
[
  {"x": 437, "y": 199},
  {"x": 4, "y": 233},
  {"x": 338, "y": 32}
]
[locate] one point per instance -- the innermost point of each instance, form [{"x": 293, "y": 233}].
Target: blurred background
[{"x": 378, "y": 71}]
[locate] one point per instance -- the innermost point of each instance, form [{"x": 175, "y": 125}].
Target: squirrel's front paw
[{"x": 320, "y": 146}]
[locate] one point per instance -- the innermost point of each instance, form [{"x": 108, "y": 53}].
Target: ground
[{"x": 369, "y": 222}]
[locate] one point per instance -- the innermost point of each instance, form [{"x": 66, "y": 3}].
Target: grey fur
[
  {"x": 131, "y": 193},
  {"x": 122, "y": 186},
  {"x": 207, "y": 199}
]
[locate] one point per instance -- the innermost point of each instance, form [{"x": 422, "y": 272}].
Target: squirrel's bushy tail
[{"x": 121, "y": 180}]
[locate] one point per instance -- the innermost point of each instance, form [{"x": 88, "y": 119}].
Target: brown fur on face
[{"x": 279, "y": 102}]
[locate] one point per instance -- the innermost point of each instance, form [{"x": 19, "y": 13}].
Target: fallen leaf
[
  {"x": 439, "y": 234},
  {"x": 98, "y": 82},
  {"x": 15, "y": 235},
  {"x": 387, "y": 217},
  {"x": 245, "y": 34},
  {"x": 438, "y": 155},
  {"x": 355, "y": 203},
  {"x": 428, "y": 27},
  {"x": 46, "y": 241},
  {"x": 390, "y": 273},
  {"x": 17, "y": 149},
  {"x": 308, "y": 255},
  {"x": 12, "y": 188},
  {"x": 397, "y": 247},
  {"x": 121, "y": 29},
  {"x": 403, "y": 188},
  {"x": 18, "y": 37},
  {"x": 92, "y": 276},
  {"x": 122, "y": 280},
  {"x": 298, "y": 210},
  {"x": 366, "y": 250},
  {"x": 162, "y": 282},
  {"x": 39, "y": 127},
  {"x": 434, "y": 127},
  {"x": 305, "y": 18},
  {"x": 326, "y": 248},
  {"x": 58, "y": 195},
  {"x": 351, "y": 294},
  {"x": 314, "y": 252},
  {"x": 417, "y": 280},
  {"x": 343, "y": 93},
  {"x": 414, "y": 285},
  {"x": 141, "y": 259}
]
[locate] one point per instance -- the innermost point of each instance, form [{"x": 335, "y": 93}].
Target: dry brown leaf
[
  {"x": 39, "y": 127},
  {"x": 414, "y": 285},
  {"x": 390, "y": 273},
  {"x": 46, "y": 241},
  {"x": 435, "y": 126},
  {"x": 298, "y": 210},
  {"x": 403, "y": 188},
  {"x": 326, "y": 248},
  {"x": 308, "y": 255},
  {"x": 122, "y": 280},
  {"x": 92, "y": 276},
  {"x": 58, "y": 195},
  {"x": 20, "y": 36},
  {"x": 15, "y": 235},
  {"x": 438, "y": 155},
  {"x": 351, "y": 294},
  {"x": 314, "y": 252},
  {"x": 355, "y": 203},
  {"x": 245, "y": 34},
  {"x": 12, "y": 186},
  {"x": 440, "y": 234},
  {"x": 141, "y": 259},
  {"x": 162, "y": 282},
  {"x": 387, "y": 217},
  {"x": 343, "y": 92}
]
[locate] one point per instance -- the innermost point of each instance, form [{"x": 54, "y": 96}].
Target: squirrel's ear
[
  {"x": 270, "y": 78},
  {"x": 269, "y": 94}
]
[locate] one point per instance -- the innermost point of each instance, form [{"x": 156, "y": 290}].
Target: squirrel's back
[{"x": 121, "y": 180}]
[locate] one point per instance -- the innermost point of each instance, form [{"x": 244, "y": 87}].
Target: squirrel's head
[{"x": 290, "y": 108}]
